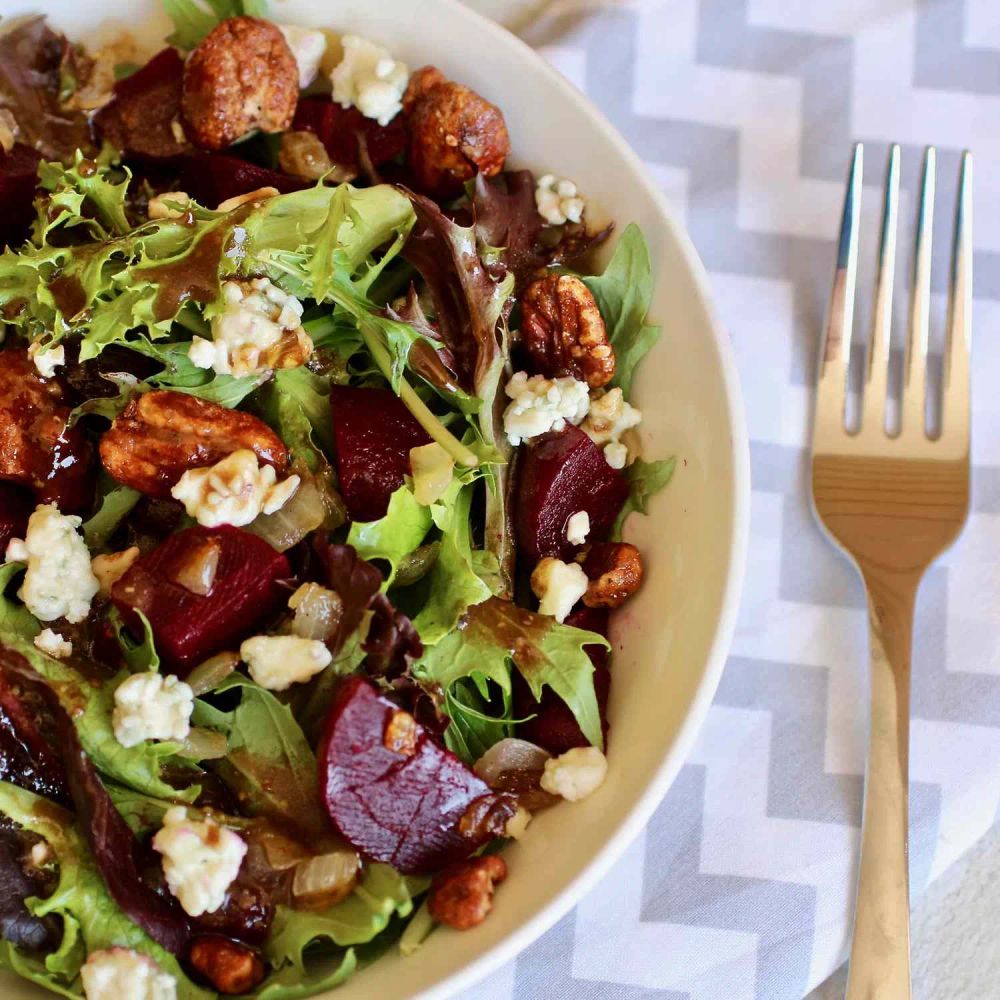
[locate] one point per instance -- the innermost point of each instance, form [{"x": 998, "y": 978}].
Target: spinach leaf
[
  {"x": 646, "y": 479},
  {"x": 394, "y": 536},
  {"x": 623, "y": 293}
]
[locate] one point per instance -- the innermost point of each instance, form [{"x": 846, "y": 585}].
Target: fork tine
[
  {"x": 915, "y": 372},
  {"x": 831, "y": 391},
  {"x": 955, "y": 406},
  {"x": 876, "y": 392}
]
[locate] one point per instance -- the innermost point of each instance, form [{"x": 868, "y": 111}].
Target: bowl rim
[{"x": 632, "y": 825}]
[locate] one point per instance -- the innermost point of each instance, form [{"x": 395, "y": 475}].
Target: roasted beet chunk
[
  {"x": 396, "y": 795},
  {"x": 345, "y": 131},
  {"x": 18, "y": 177},
  {"x": 212, "y": 178},
  {"x": 16, "y": 506},
  {"x": 143, "y": 118},
  {"x": 190, "y": 627},
  {"x": 561, "y": 474},
  {"x": 373, "y": 433},
  {"x": 552, "y": 724}
]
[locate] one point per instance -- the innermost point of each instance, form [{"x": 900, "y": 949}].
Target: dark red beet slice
[
  {"x": 16, "y": 506},
  {"x": 189, "y": 627},
  {"x": 373, "y": 433},
  {"x": 211, "y": 178},
  {"x": 561, "y": 474},
  {"x": 18, "y": 177},
  {"x": 142, "y": 118},
  {"x": 554, "y": 726},
  {"x": 340, "y": 129},
  {"x": 405, "y": 809}
]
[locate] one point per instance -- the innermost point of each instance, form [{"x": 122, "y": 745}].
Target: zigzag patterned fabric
[{"x": 745, "y": 111}]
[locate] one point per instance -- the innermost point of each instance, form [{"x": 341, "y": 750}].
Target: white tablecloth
[{"x": 745, "y": 111}]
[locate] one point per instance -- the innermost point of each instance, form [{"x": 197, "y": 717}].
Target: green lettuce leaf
[
  {"x": 140, "y": 656},
  {"x": 15, "y": 618},
  {"x": 495, "y": 634},
  {"x": 33, "y": 968},
  {"x": 270, "y": 765},
  {"x": 394, "y": 536},
  {"x": 382, "y": 894},
  {"x": 91, "y": 919},
  {"x": 645, "y": 479},
  {"x": 181, "y": 374},
  {"x": 116, "y": 505},
  {"x": 457, "y": 576},
  {"x": 90, "y": 706},
  {"x": 623, "y": 293},
  {"x": 311, "y": 393},
  {"x": 194, "y": 19},
  {"x": 291, "y": 982}
]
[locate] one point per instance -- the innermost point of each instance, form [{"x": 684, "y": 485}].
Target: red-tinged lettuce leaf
[
  {"x": 89, "y": 918},
  {"x": 391, "y": 643},
  {"x": 17, "y": 883},
  {"x": 468, "y": 300},
  {"x": 471, "y": 305},
  {"x": 355, "y": 580},
  {"x": 26, "y": 755},
  {"x": 119, "y": 856},
  {"x": 506, "y": 219},
  {"x": 32, "y": 58}
]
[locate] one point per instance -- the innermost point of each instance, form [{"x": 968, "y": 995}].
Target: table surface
[{"x": 745, "y": 111}]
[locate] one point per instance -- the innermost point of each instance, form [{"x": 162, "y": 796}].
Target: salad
[{"x": 315, "y": 455}]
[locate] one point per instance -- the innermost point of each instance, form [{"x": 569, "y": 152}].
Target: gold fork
[{"x": 892, "y": 503}]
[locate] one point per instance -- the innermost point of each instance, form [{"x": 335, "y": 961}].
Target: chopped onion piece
[
  {"x": 282, "y": 852},
  {"x": 433, "y": 469},
  {"x": 196, "y": 571},
  {"x": 207, "y": 676},
  {"x": 510, "y": 755},
  {"x": 318, "y": 611},
  {"x": 327, "y": 879},
  {"x": 204, "y": 744},
  {"x": 304, "y": 512}
]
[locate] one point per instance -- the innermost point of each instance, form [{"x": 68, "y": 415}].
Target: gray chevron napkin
[{"x": 745, "y": 111}]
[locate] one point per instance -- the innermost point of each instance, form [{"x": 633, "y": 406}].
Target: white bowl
[{"x": 671, "y": 641}]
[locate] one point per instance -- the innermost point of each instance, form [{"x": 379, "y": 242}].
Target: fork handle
[{"x": 880, "y": 948}]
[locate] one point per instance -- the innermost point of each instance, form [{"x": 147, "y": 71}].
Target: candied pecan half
[
  {"x": 162, "y": 434},
  {"x": 36, "y": 449},
  {"x": 232, "y": 968},
  {"x": 242, "y": 76},
  {"x": 563, "y": 332},
  {"x": 462, "y": 895},
  {"x": 615, "y": 572},
  {"x": 454, "y": 133}
]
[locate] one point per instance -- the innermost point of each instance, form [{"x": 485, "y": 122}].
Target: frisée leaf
[{"x": 495, "y": 634}]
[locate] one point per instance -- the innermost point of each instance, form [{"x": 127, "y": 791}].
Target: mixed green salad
[{"x": 316, "y": 451}]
